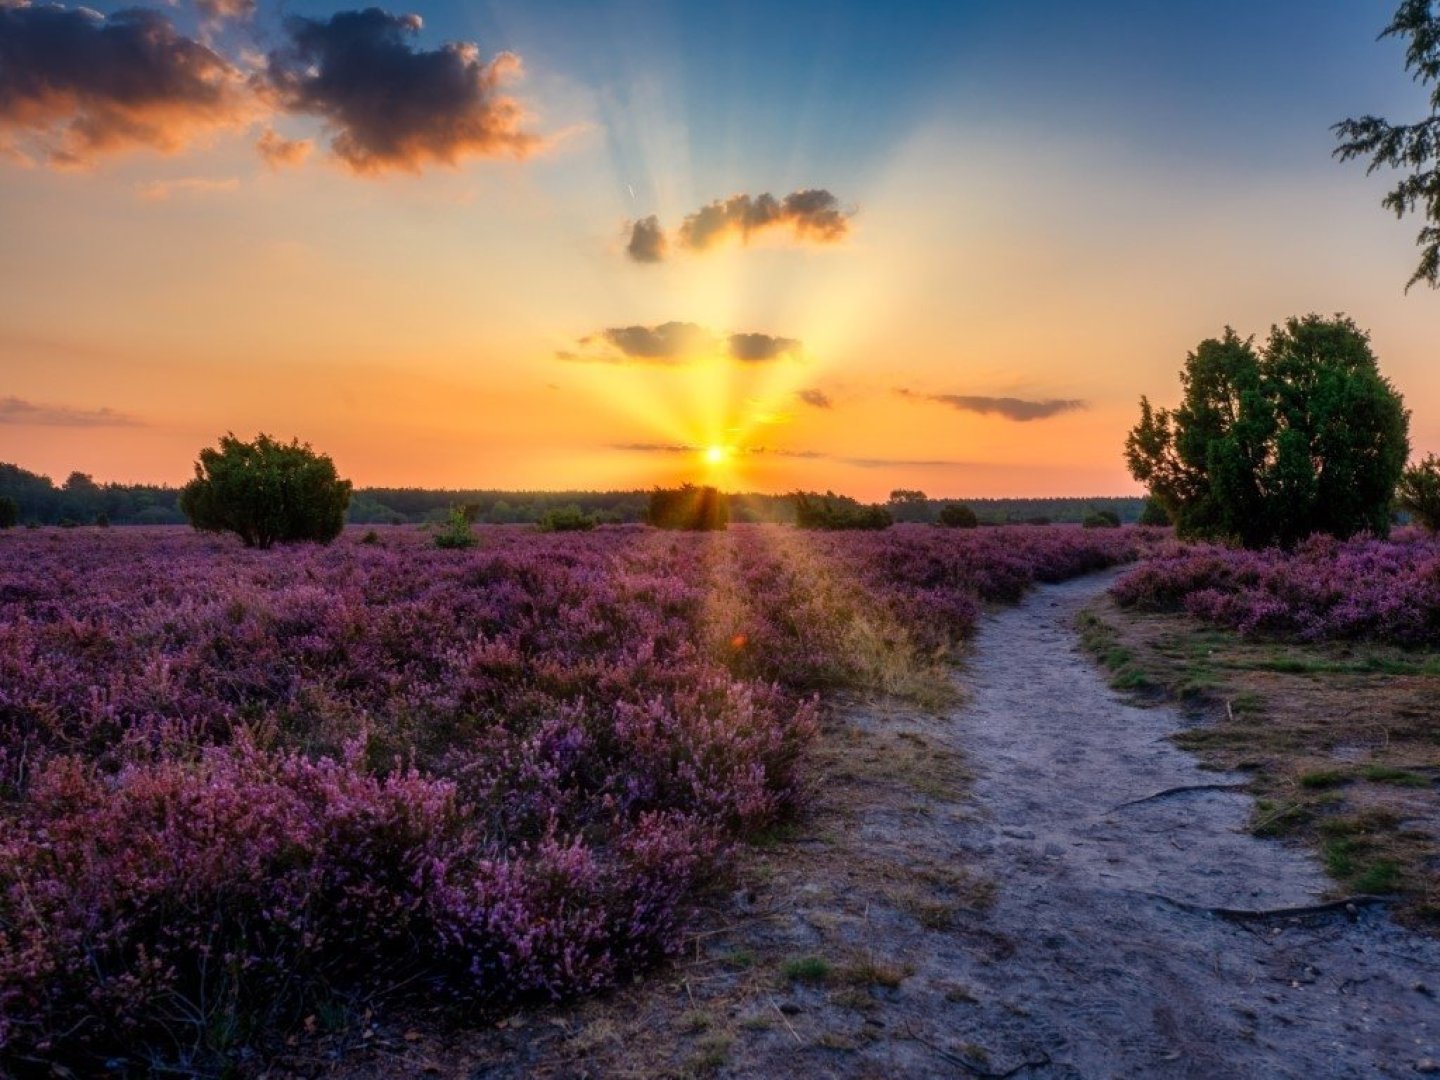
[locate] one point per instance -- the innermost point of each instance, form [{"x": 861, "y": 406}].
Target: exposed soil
[{"x": 1047, "y": 918}]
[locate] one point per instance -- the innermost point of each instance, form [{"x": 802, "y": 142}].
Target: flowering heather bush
[
  {"x": 235, "y": 785},
  {"x": 1380, "y": 590}
]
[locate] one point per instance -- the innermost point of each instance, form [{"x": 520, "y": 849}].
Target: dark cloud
[
  {"x": 80, "y": 84},
  {"x": 14, "y": 410},
  {"x": 390, "y": 105},
  {"x": 762, "y": 348},
  {"x": 279, "y": 151},
  {"x": 1010, "y": 408},
  {"x": 647, "y": 241},
  {"x": 665, "y": 343},
  {"x": 812, "y": 215},
  {"x": 677, "y": 342},
  {"x": 818, "y": 398}
]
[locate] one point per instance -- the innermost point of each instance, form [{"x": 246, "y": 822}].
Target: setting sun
[{"x": 716, "y": 455}]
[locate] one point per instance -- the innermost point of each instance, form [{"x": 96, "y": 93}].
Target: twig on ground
[
  {"x": 970, "y": 1066},
  {"x": 1182, "y": 789},
  {"x": 786, "y": 1021},
  {"x": 1347, "y": 904}
]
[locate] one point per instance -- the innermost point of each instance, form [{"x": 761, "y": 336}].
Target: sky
[{"x": 537, "y": 244}]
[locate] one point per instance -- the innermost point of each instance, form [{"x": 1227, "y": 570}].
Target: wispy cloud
[
  {"x": 672, "y": 343},
  {"x": 813, "y": 216},
  {"x": 14, "y": 410},
  {"x": 809, "y": 455},
  {"x": 162, "y": 190},
  {"x": 278, "y": 151},
  {"x": 1011, "y": 408}
]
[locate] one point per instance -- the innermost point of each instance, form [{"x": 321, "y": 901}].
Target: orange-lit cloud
[
  {"x": 678, "y": 342},
  {"x": 14, "y": 410},
  {"x": 78, "y": 85},
  {"x": 813, "y": 215},
  {"x": 389, "y": 105},
  {"x": 278, "y": 151},
  {"x": 1010, "y": 408},
  {"x": 226, "y": 9}
]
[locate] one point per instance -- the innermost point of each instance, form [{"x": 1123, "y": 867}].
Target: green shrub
[
  {"x": 1154, "y": 513},
  {"x": 700, "y": 509},
  {"x": 9, "y": 512},
  {"x": 566, "y": 519},
  {"x": 1101, "y": 519},
  {"x": 266, "y": 492},
  {"x": 832, "y": 511},
  {"x": 1419, "y": 493},
  {"x": 456, "y": 533},
  {"x": 958, "y": 516}
]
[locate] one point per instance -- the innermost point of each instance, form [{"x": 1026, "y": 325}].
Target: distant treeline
[{"x": 81, "y": 501}]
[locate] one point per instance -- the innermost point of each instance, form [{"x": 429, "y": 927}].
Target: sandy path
[{"x": 1114, "y": 981}]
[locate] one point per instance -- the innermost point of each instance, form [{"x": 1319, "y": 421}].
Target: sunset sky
[{"x": 537, "y": 244}]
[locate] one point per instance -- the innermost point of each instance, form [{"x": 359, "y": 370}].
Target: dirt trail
[
  {"x": 1116, "y": 981},
  {"x": 984, "y": 905}
]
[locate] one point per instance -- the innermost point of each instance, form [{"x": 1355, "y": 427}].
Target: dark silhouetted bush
[
  {"x": 266, "y": 492},
  {"x": 566, "y": 519},
  {"x": 9, "y": 512},
  {"x": 832, "y": 511},
  {"x": 1101, "y": 519},
  {"x": 957, "y": 516},
  {"x": 699, "y": 509},
  {"x": 1419, "y": 493},
  {"x": 1154, "y": 513}
]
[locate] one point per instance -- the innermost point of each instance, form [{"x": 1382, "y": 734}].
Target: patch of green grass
[
  {"x": 1388, "y": 774},
  {"x": 874, "y": 973},
  {"x": 1247, "y": 703},
  {"x": 1324, "y": 778},
  {"x": 1379, "y": 877},
  {"x": 1131, "y": 678},
  {"x": 740, "y": 958},
  {"x": 712, "y": 1052},
  {"x": 1340, "y": 856},
  {"x": 1277, "y": 819},
  {"x": 809, "y": 969}
]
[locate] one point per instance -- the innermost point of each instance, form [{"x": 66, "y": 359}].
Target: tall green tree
[
  {"x": 1411, "y": 147},
  {"x": 266, "y": 492},
  {"x": 1269, "y": 445}
]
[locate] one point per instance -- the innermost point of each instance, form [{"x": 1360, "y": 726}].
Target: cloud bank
[
  {"x": 815, "y": 398},
  {"x": 677, "y": 343},
  {"x": 1017, "y": 409},
  {"x": 14, "y": 410},
  {"x": 813, "y": 215}
]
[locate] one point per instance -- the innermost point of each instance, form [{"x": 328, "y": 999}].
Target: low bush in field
[
  {"x": 1380, "y": 590},
  {"x": 1101, "y": 519},
  {"x": 566, "y": 519},
  {"x": 836, "y": 512},
  {"x": 237, "y": 786},
  {"x": 957, "y": 516},
  {"x": 689, "y": 508}
]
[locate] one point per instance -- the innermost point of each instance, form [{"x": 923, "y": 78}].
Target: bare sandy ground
[
  {"x": 987, "y": 897},
  {"x": 1118, "y": 982}
]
